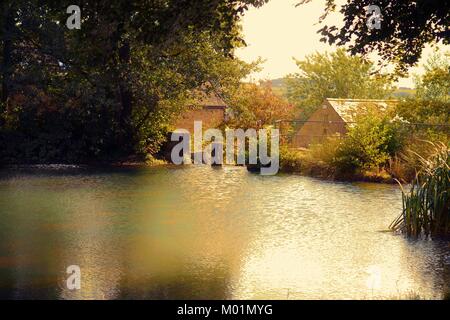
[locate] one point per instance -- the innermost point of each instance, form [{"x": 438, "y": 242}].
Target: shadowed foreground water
[{"x": 200, "y": 232}]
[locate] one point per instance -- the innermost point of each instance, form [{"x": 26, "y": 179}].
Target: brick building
[
  {"x": 333, "y": 118},
  {"x": 211, "y": 111}
]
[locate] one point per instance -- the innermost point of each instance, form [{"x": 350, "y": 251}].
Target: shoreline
[
  {"x": 318, "y": 174},
  {"x": 358, "y": 177}
]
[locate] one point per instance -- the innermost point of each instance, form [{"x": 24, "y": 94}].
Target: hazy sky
[{"x": 279, "y": 31}]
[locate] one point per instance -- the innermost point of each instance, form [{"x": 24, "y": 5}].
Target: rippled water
[{"x": 201, "y": 232}]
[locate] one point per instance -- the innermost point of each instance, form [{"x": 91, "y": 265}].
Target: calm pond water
[{"x": 199, "y": 232}]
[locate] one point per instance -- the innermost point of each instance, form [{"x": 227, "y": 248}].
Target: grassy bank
[
  {"x": 309, "y": 163},
  {"x": 333, "y": 159}
]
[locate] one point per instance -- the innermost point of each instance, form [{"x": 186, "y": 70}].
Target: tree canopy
[
  {"x": 406, "y": 26},
  {"x": 434, "y": 84},
  {"x": 255, "y": 106},
  {"x": 334, "y": 75},
  {"x": 110, "y": 88},
  {"x": 431, "y": 103}
]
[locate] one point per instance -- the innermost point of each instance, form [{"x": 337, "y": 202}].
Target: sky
[{"x": 279, "y": 31}]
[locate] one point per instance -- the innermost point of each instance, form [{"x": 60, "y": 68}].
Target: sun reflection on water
[{"x": 198, "y": 232}]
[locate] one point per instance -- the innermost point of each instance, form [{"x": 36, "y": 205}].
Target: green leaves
[
  {"x": 406, "y": 27},
  {"x": 110, "y": 89},
  {"x": 334, "y": 75},
  {"x": 370, "y": 143},
  {"x": 434, "y": 85}
]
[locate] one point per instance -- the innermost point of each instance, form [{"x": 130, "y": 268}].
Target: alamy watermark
[
  {"x": 374, "y": 17},
  {"x": 73, "y": 282},
  {"x": 235, "y": 140},
  {"x": 74, "y": 20}
]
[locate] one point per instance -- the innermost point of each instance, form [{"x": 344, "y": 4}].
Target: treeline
[{"x": 111, "y": 89}]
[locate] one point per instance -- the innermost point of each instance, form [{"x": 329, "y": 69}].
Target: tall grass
[{"x": 426, "y": 205}]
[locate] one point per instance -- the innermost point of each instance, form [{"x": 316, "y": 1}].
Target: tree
[
  {"x": 7, "y": 27},
  {"x": 255, "y": 106},
  {"x": 335, "y": 75},
  {"x": 431, "y": 103},
  {"x": 111, "y": 88},
  {"x": 371, "y": 141},
  {"x": 406, "y": 27},
  {"x": 434, "y": 84}
]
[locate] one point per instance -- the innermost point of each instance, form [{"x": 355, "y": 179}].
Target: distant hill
[
  {"x": 404, "y": 92},
  {"x": 279, "y": 86},
  {"x": 280, "y": 82}
]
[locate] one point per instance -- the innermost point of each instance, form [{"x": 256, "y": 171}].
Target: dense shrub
[
  {"x": 37, "y": 133},
  {"x": 290, "y": 160},
  {"x": 370, "y": 142},
  {"x": 326, "y": 151}
]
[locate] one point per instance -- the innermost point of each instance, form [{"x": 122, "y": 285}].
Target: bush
[
  {"x": 370, "y": 143},
  {"x": 306, "y": 162},
  {"x": 290, "y": 160},
  {"x": 326, "y": 151}
]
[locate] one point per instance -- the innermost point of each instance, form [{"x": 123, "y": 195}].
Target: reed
[{"x": 426, "y": 206}]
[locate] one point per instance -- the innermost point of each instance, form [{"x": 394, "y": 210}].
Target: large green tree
[
  {"x": 111, "y": 87},
  {"x": 434, "y": 84},
  {"x": 431, "y": 103},
  {"x": 334, "y": 75}
]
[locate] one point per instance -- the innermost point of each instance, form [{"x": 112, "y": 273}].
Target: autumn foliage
[{"x": 256, "y": 106}]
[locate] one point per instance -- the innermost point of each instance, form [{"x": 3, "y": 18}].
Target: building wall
[
  {"x": 319, "y": 128},
  {"x": 212, "y": 117}
]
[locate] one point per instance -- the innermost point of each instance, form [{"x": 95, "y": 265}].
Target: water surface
[{"x": 206, "y": 233}]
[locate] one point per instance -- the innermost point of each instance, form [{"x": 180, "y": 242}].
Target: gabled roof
[
  {"x": 347, "y": 108},
  {"x": 211, "y": 100},
  {"x": 207, "y": 98}
]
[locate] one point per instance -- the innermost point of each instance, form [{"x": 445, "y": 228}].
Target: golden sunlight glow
[{"x": 279, "y": 31}]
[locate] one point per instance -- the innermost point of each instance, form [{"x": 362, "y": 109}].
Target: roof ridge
[{"x": 360, "y": 100}]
